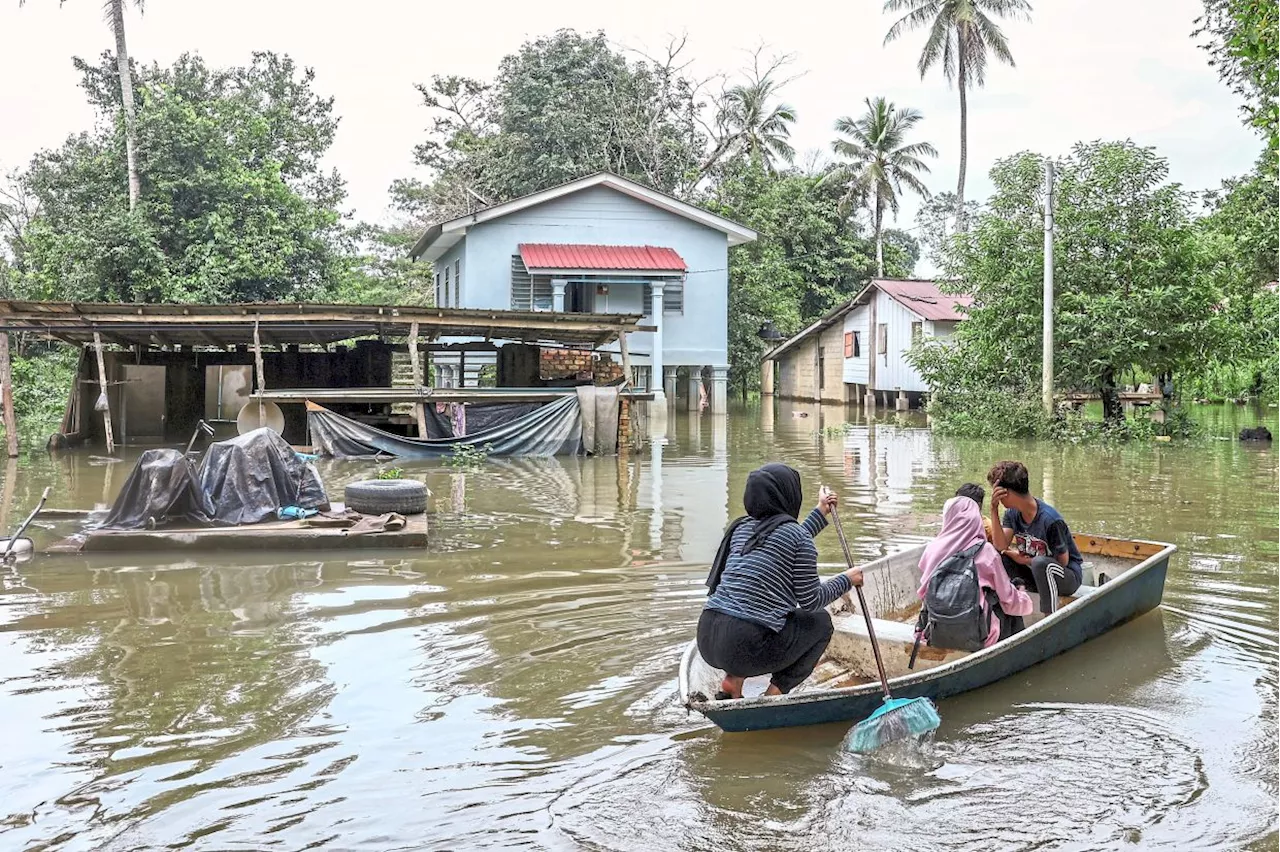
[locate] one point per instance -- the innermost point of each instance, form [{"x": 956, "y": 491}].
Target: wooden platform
[{"x": 269, "y": 535}]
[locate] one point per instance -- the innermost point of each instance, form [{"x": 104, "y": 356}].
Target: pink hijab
[{"x": 961, "y": 529}]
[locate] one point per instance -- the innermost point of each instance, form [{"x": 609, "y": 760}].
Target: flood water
[{"x": 515, "y": 686}]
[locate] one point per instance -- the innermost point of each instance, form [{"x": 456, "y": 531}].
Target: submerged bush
[{"x": 41, "y": 386}]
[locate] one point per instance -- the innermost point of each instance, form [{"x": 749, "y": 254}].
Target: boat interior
[{"x": 890, "y": 585}]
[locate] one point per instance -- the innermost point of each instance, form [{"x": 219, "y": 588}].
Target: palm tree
[
  {"x": 752, "y": 122},
  {"x": 961, "y": 34},
  {"x": 114, "y": 12},
  {"x": 878, "y": 163}
]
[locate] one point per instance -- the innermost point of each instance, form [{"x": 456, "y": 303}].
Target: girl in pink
[{"x": 961, "y": 529}]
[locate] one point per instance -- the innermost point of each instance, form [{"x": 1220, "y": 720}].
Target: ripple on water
[{"x": 1044, "y": 776}]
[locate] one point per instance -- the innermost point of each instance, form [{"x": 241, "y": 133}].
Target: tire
[{"x": 379, "y": 496}]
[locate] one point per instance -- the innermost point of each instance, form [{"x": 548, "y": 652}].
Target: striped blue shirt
[{"x": 776, "y": 578}]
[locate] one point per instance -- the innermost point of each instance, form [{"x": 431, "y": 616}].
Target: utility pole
[{"x": 1046, "y": 368}]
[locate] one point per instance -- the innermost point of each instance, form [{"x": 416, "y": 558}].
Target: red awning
[{"x": 630, "y": 258}]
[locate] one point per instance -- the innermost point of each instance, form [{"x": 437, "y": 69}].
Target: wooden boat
[{"x": 1123, "y": 579}]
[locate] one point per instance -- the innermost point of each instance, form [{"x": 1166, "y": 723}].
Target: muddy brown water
[{"x": 515, "y": 686}]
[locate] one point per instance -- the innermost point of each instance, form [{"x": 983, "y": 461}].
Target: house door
[{"x": 142, "y": 399}]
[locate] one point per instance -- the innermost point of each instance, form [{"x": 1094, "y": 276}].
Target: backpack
[{"x": 952, "y": 615}]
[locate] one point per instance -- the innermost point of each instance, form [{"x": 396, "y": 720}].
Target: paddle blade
[{"x": 897, "y": 719}]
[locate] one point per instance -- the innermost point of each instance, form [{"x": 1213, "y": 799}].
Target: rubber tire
[{"x": 379, "y": 496}]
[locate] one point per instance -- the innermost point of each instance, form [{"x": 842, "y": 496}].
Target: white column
[
  {"x": 669, "y": 381},
  {"x": 656, "y": 374},
  {"x": 720, "y": 390},
  {"x": 695, "y": 385},
  {"x": 557, "y": 295}
]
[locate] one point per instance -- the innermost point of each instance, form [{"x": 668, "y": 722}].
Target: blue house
[{"x": 601, "y": 244}]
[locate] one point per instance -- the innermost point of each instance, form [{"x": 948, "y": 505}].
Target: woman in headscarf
[
  {"x": 766, "y": 613},
  {"x": 961, "y": 529}
]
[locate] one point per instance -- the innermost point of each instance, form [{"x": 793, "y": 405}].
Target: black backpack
[{"x": 951, "y": 615}]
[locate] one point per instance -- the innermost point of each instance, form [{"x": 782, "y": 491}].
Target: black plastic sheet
[
  {"x": 480, "y": 416},
  {"x": 240, "y": 481},
  {"x": 249, "y": 477},
  {"x": 553, "y": 429},
  {"x": 163, "y": 486}
]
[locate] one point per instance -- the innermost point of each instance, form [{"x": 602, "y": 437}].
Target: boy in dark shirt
[{"x": 1034, "y": 542}]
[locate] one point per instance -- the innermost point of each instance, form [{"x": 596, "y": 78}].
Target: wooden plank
[
  {"x": 102, "y": 385},
  {"x": 262, "y": 375},
  {"x": 415, "y": 361},
  {"x": 6, "y": 393},
  {"x": 1101, "y": 545}
]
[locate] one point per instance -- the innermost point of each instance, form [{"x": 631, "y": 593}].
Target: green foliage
[
  {"x": 807, "y": 259},
  {"x": 752, "y": 122},
  {"x": 465, "y": 456},
  {"x": 390, "y": 473},
  {"x": 1135, "y": 285},
  {"x": 1242, "y": 41},
  {"x": 235, "y": 203},
  {"x": 378, "y": 270},
  {"x": 562, "y": 106},
  {"x": 41, "y": 382}
]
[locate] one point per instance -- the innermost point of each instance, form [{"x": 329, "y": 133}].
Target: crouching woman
[{"x": 766, "y": 613}]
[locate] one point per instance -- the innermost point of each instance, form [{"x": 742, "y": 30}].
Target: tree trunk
[
  {"x": 962, "y": 78},
  {"x": 879, "y": 235},
  {"x": 126, "y": 98},
  {"x": 1112, "y": 410}
]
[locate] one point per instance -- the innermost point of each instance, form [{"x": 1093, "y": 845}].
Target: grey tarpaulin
[
  {"x": 240, "y": 481},
  {"x": 599, "y": 407},
  {"x": 163, "y": 485},
  {"x": 249, "y": 477},
  {"x": 553, "y": 429},
  {"x": 480, "y": 416}
]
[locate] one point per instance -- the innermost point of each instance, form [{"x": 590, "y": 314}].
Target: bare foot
[
  {"x": 773, "y": 689},
  {"x": 731, "y": 686}
]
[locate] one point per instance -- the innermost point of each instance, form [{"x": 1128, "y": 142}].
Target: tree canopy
[
  {"x": 1136, "y": 284},
  {"x": 234, "y": 203}
]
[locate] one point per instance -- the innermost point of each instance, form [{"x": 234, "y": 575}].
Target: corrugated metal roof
[
  {"x": 565, "y": 256},
  {"x": 924, "y": 298}
]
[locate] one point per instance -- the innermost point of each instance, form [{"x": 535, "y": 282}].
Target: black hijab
[{"x": 772, "y": 498}]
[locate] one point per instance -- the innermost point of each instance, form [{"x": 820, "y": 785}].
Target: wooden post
[
  {"x": 626, "y": 359},
  {"x": 415, "y": 360},
  {"x": 102, "y": 384},
  {"x": 6, "y": 391},
  {"x": 262, "y": 375}
]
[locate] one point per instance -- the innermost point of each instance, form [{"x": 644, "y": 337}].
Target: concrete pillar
[
  {"x": 720, "y": 390},
  {"x": 669, "y": 381},
  {"x": 869, "y": 399},
  {"x": 655, "y": 370},
  {"x": 766, "y": 378},
  {"x": 557, "y": 295},
  {"x": 902, "y": 403},
  {"x": 695, "y": 388}
]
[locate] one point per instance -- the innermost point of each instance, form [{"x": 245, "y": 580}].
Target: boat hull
[{"x": 1137, "y": 591}]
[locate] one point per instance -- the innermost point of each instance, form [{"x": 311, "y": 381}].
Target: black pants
[
  {"x": 745, "y": 649},
  {"x": 1046, "y": 576}
]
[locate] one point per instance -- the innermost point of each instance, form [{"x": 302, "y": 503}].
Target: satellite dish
[{"x": 248, "y": 419}]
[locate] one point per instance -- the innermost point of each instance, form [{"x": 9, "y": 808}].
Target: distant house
[
  {"x": 601, "y": 244},
  {"x": 860, "y": 347}
]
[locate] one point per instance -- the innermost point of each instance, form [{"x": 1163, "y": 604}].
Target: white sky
[{"x": 1087, "y": 69}]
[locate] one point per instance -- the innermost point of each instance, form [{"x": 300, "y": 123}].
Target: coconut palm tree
[
  {"x": 878, "y": 163},
  {"x": 751, "y": 121},
  {"x": 114, "y": 13},
  {"x": 961, "y": 34}
]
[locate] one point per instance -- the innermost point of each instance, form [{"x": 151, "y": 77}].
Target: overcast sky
[{"x": 1087, "y": 69}]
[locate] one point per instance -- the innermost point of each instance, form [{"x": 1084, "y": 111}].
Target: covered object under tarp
[
  {"x": 555, "y": 429},
  {"x": 240, "y": 481}
]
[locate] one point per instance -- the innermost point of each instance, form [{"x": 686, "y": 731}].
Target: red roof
[
  {"x": 924, "y": 298},
  {"x": 649, "y": 258}
]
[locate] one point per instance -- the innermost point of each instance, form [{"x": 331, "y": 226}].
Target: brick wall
[{"x": 566, "y": 364}]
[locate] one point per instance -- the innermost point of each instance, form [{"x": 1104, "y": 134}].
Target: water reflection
[{"x": 515, "y": 684}]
